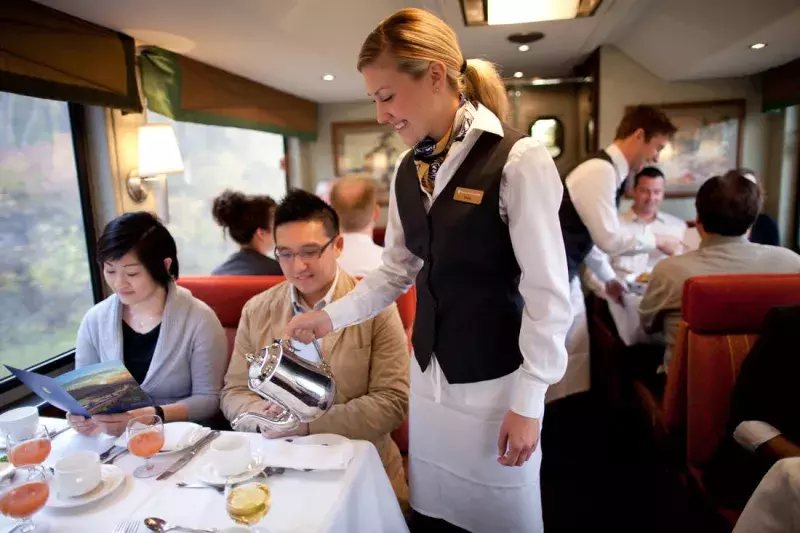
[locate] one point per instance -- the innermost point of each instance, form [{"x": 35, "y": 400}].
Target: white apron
[
  {"x": 453, "y": 469},
  {"x": 577, "y": 378}
]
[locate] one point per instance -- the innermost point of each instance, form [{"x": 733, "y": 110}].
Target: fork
[{"x": 127, "y": 526}]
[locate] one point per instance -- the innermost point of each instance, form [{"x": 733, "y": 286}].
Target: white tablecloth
[{"x": 359, "y": 499}]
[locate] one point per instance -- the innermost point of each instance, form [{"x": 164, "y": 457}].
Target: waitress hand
[
  {"x": 307, "y": 327},
  {"x": 519, "y": 437}
]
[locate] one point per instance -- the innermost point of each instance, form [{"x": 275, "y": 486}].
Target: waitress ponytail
[{"x": 416, "y": 38}]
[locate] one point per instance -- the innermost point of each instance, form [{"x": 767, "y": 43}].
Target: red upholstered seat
[
  {"x": 723, "y": 315},
  {"x": 379, "y": 235}
]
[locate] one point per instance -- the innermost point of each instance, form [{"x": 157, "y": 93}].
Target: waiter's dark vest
[
  {"x": 469, "y": 309},
  {"x": 577, "y": 239}
]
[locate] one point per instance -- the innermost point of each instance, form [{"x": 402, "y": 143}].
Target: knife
[{"x": 185, "y": 458}]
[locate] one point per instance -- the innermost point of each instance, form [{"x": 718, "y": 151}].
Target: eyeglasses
[{"x": 307, "y": 253}]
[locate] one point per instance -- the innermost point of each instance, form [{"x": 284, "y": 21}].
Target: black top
[
  {"x": 765, "y": 231},
  {"x": 469, "y": 308},
  {"x": 138, "y": 349},
  {"x": 248, "y": 262},
  {"x": 577, "y": 239}
]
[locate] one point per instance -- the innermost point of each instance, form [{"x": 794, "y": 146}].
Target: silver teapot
[{"x": 303, "y": 390}]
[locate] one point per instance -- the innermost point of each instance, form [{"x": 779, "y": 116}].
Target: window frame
[{"x": 80, "y": 145}]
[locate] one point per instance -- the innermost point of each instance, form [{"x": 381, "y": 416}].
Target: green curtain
[{"x": 189, "y": 91}]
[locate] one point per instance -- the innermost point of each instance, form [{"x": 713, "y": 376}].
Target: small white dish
[
  {"x": 177, "y": 437},
  {"x": 111, "y": 478},
  {"x": 207, "y": 474}
]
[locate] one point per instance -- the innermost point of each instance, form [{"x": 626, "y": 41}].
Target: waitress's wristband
[{"x": 159, "y": 412}]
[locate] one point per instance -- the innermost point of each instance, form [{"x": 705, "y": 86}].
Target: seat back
[
  {"x": 723, "y": 316},
  {"x": 226, "y": 295},
  {"x": 379, "y": 236}
]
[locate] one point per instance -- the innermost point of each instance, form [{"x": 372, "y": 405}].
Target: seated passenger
[
  {"x": 248, "y": 220},
  {"x": 172, "y": 343},
  {"x": 370, "y": 360},
  {"x": 726, "y": 206},
  {"x": 764, "y": 425},
  {"x": 765, "y": 229},
  {"x": 355, "y": 201}
]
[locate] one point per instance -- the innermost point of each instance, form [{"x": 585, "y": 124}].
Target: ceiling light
[
  {"x": 758, "y": 46},
  {"x": 328, "y": 77},
  {"x": 516, "y": 12},
  {"x": 518, "y": 74},
  {"x": 523, "y": 48}
]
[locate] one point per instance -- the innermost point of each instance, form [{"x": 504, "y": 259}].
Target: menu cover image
[{"x": 102, "y": 388}]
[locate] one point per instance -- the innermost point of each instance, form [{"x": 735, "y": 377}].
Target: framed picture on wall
[
  {"x": 708, "y": 143},
  {"x": 366, "y": 148}
]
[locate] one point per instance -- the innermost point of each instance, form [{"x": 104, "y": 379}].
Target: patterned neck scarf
[{"x": 429, "y": 154}]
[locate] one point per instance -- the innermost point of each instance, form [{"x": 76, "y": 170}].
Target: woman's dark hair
[
  {"x": 241, "y": 214},
  {"x": 144, "y": 235}
]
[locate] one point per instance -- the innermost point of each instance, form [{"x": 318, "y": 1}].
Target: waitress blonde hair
[{"x": 416, "y": 38}]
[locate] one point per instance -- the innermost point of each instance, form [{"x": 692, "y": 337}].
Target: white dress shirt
[
  {"x": 593, "y": 187},
  {"x": 360, "y": 255},
  {"x": 664, "y": 224},
  {"x": 774, "y": 507},
  {"x": 530, "y": 196},
  {"x": 751, "y": 434},
  {"x": 309, "y": 351}
]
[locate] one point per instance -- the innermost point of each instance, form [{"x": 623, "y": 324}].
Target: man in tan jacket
[{"x": 370, "y": 361}]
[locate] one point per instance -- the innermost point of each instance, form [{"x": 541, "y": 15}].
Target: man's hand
[
  {"x": 519, "y": 436},
  {"x": 84, "y": 426},
  {"x": 615, "y": 290},
  {"x": 307, "y": 327},
  {"x": 668, "y": 244}
]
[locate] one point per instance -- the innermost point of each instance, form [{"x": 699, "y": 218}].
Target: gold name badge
[{"x": 470, "y": 196}]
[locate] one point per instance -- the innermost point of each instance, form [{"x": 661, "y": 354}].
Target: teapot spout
[{"x": 285, "y": 422}]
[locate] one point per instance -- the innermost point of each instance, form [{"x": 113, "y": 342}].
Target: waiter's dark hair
[
  {"x": 145, "y": 236},
  {"x": 302, "y": 206},
  {"x": 648, "y": 172},
  {"x": 648, "y": 119},
  {"x": 728, "y": 205}
]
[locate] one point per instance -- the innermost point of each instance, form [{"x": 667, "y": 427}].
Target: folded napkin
[
  {"x": 177, "y": 436},
  {"x": 298, "y": 456}
]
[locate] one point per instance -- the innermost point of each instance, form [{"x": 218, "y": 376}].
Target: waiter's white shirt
[
  {"x": 774, "y": 507},
  {"x": 593, "y": 189},
  {"x": 530, "y": 197},
  {"x": 360, "y": 255}
]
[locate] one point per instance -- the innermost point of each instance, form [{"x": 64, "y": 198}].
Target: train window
[
  {"x": 216, "y": 158},
  {"x": 45, "y": 280}
]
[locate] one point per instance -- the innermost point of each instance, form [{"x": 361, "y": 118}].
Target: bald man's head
[{"x": 354, "y": 199}]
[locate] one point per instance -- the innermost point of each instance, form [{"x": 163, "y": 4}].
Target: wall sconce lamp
[{"x": 158, "y": 155}]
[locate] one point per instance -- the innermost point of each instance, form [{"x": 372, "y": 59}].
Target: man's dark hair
[
  {"x": 651, "y": 120},
  {"x": 728, "y": 205},
  {"x": 144, "y": 235},
  {"x": 302, "y": 206},
  {"x": 648, "y": 172}
]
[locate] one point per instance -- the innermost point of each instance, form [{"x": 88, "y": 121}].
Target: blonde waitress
[{"x": 473, "y": 221}]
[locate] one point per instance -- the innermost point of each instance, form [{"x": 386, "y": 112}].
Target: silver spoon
[
  {"x": 184, "y": 485},
  {"x": 161, "y": 526}
]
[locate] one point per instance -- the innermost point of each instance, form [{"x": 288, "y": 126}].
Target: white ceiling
[{"x": 290, "y": 44}]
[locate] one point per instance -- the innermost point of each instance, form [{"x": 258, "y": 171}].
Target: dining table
[{"x": 357, "y": 498}]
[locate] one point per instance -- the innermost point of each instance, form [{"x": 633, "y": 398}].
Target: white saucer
[
  {"x": 205, "y": 472},
  {"x": 111, "y": 477}
]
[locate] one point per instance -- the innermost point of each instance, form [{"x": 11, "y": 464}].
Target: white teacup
[
  {"x": 20, "y": 423},
  {"x": 230, "y": 454},
  {"x": 77, "y": 473}
]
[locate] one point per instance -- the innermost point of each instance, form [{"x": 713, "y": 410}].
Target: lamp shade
[{"x": 158, "y": 150}]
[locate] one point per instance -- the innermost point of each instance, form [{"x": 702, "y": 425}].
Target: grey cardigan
[{"x": 190, "y": 357}]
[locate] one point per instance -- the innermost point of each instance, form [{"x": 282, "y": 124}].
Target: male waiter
[{"x": 590, "y": 224}]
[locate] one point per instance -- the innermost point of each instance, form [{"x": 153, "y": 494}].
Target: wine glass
[
  {"x": 248, "y": 501},
  {"x": 22, "y": 494},
  {"x": 145, "y": 439},
  {"x": 29, "y": 450}
]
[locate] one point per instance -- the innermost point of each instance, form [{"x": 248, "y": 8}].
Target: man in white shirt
[
  {"x": 591, "y": 228},
  {"x": 354, "y": 200}
]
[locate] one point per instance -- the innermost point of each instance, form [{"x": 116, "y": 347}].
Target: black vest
[
  {"x": 469, "y": 309},
  {"x": 577, "y": 239}
]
